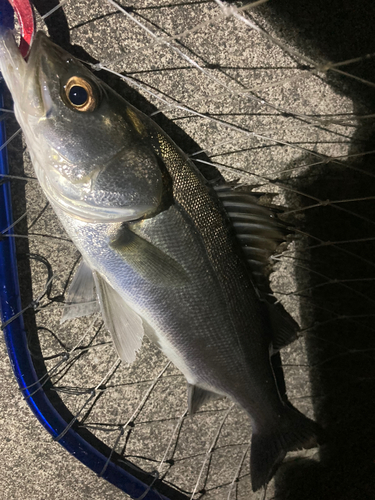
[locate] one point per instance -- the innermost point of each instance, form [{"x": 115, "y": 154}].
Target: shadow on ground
[{"x": 341, "y": 347}]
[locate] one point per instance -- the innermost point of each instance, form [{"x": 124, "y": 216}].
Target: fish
[{"x": 165, "y": 252}]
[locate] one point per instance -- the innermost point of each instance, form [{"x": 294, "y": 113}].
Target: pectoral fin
[
  {"x": 81, "y": 298},
  {"x": 123, "y": 323},
  {"x": 151, "y": 263}
]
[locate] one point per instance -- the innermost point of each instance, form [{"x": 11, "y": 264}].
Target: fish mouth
[
  {"x": 12, "y": 64},
  {"x": 27, "y": 81}
]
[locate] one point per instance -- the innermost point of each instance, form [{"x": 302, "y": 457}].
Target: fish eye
[{"x": 80, "y": 94}]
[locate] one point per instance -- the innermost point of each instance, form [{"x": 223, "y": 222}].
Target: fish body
[{"x": 159, "y": 245}]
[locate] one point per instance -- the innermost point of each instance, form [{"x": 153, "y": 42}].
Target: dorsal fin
[
  {"x": 257, "y": 227},
  {"x": 260, "y": 233},
  {"x": 284, "y": 327}
]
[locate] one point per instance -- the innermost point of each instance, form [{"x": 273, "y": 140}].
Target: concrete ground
[{"x": 235, "y": 58}]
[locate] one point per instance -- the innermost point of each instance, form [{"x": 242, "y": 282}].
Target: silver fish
[{"x": 167, "y": 254}]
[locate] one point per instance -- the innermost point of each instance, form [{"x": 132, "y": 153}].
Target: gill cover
[{"x": 90, "y": 149}]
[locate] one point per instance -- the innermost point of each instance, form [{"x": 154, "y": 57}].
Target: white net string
[{"x": 258, "y": 109}]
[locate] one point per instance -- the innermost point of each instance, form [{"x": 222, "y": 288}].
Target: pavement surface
[{"x": 302, "y": 117}]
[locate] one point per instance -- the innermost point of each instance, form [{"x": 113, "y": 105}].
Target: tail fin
[{"x": 268, "y": 449}]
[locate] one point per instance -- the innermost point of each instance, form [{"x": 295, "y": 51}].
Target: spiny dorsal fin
[
  {"x": 81, "y": 299},
  {"x": 257, "y": 228},
  {"x": 125, "y": 326},
  {"x": 260, "y": 234}
]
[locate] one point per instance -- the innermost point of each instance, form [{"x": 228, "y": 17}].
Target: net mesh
[{"x": 239, "y": 95}]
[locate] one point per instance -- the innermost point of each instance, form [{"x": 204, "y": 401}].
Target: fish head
[{"x": 90, "y": 149}]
